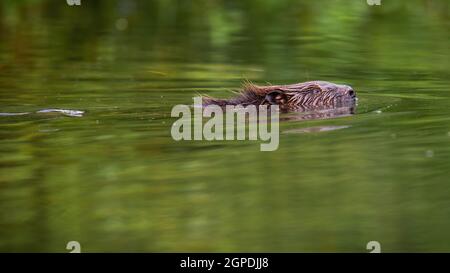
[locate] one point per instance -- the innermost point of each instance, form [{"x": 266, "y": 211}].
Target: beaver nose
[{"x": 351, "y": 93}]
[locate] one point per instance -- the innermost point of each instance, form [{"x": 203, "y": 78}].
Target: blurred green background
[{"x": 116, "y": 181}]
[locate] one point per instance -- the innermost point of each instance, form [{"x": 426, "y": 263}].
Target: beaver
[{"x": 306, "y": 96}]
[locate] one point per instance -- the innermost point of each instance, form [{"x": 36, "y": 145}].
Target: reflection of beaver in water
[{"x": 307, "y": 96}]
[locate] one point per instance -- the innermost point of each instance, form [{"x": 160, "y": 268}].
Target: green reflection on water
[{"x": 114, "y": 180}]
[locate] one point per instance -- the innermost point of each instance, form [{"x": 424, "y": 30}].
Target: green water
[{"x": 115, "y": 180}]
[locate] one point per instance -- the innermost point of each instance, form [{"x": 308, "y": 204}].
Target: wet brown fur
[{"x": 299, "y": 96}]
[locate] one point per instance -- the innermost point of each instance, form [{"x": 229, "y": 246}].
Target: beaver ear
[{"x": 276, "y": 97}]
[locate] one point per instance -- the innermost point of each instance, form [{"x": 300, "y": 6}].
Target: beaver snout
[
  {"x": 351, "y": 93},
  {"x": 347, "y": 90}
]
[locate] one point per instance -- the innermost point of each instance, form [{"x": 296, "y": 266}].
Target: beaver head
[{"x": 294, "y": 97}]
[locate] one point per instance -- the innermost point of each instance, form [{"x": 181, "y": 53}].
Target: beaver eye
[{"x": 351, "y": 93}]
